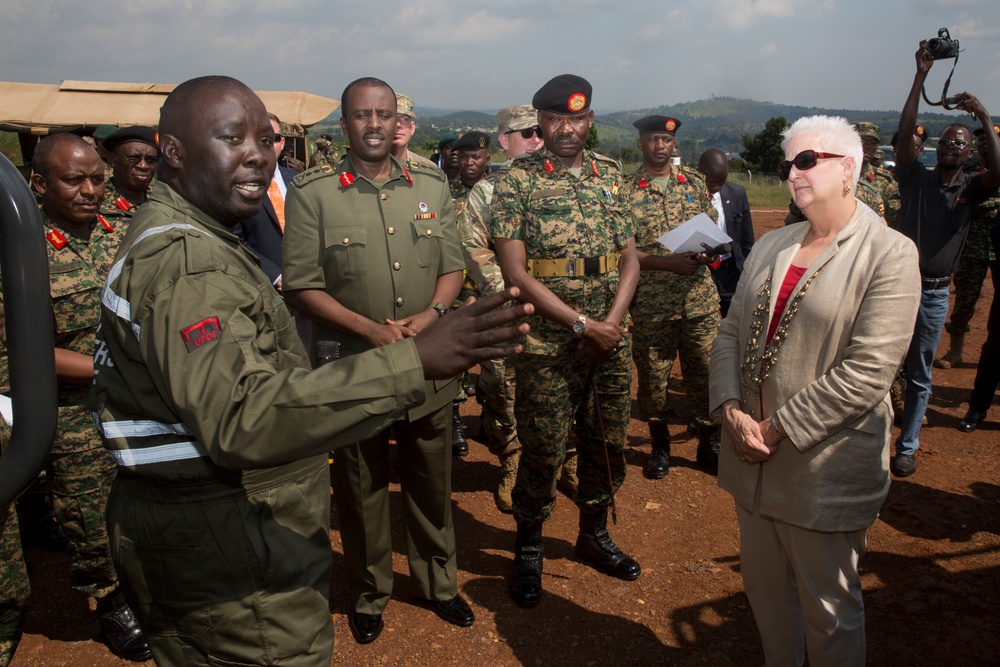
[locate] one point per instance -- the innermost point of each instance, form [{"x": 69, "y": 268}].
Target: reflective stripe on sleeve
[{"x": 142, "y": 428}]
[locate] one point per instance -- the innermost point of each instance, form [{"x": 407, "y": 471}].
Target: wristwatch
[
  {"x": 580, "y": 326},
  {"x": 441, "y": 309}
]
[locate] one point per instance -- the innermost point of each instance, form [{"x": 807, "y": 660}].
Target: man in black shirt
[{"x": 936, "y": 207}]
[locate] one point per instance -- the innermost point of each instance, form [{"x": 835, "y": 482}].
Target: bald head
[
  {"x": 217, "y": 144},
  {"x": 50, "y": 146},
  {"x": 714, "y": 166}
]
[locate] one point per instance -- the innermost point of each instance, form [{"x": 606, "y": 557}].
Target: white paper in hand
[{"x": 689, "y": 236}]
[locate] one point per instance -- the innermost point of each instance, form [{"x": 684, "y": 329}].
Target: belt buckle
[
  {"x": 571, "y": 268},
  {"x": 591, "y": 266}
]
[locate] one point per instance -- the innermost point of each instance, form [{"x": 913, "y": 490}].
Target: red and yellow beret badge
[
  {"x": 576, "y": 102},
  {"x": 670, "y": 125}
]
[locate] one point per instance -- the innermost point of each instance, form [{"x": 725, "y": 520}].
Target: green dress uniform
[
  {"x": 495, "y": 385},
  {"x": 378, "y": 248},
  {"x": 203, "y": 392},
  {"x": 562, "y": 216},
  {"x": 670, "y": 312}
]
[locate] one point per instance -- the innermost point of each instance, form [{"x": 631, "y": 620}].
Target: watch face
[{"x": 579, "y": 327}]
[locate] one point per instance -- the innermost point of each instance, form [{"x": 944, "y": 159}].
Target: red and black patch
[{"x": 201, "y": 333}]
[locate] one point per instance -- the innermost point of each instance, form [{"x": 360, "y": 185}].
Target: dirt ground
[{"x": 931, "y": 575}]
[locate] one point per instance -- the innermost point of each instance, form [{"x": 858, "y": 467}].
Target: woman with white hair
[{"x": 800, "y": 376}]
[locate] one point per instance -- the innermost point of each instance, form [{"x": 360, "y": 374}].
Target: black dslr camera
[{"x": 943, "y": 46}]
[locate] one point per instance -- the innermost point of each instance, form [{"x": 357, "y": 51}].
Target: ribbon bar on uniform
[{"x": 572, "y": 268}]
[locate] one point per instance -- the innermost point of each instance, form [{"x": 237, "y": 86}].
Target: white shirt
[{"x": 717, "y": 203}]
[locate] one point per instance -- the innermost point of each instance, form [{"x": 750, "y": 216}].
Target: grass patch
[
  {"x": 10, "y": 147},
  {"x": 766, "y": 191}
]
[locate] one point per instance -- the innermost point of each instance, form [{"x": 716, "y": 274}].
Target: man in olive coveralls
[
  {"x": 564, "y": 235},
  {"x": 219, "y": 516},
  {"x": 372, "y": 256},
  {"x": 676, "y": 305}
]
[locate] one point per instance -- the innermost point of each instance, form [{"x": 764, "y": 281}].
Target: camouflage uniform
[
  {"x": 14, "y": 587},
  {"x": 115, "y": 204},
  {"x": 558, "y": 215},
  {"x": 496, "y": 378},
  {"x": 881, "y": 181},
  {"x": 319, "y": 157},
  {"x": 671, "y": 312},
  {"x": 79, "y": 467},
  {"x": 977, "y": 257}
]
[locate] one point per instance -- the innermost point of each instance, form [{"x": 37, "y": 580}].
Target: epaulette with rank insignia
[
  {"x": 605, "y": 158},
  {"x": 310, "y": 175},
  {"x": 414, "y": 167}
]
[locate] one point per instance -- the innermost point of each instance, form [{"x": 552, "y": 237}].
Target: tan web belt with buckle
[{"x": 572, "y": 268}]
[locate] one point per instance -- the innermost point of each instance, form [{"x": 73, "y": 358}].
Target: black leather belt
[{"x": 933, "y": 283}]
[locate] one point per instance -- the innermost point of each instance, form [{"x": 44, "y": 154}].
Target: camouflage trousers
[
  {"x": 654, "y": 346},
  {"x": 14, "y": 588},
  {"x": 495, "y": 390},
  {"x": 80, "y": 474},
  {"x": 551, "y": 391},
  {"x": 968, "y": 284}
]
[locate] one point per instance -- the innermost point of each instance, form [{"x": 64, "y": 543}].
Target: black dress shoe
[
  {"x": 970, "y": 422},
  {"x": 456, "y": 611},
  {"x": 365, "y": 627},
  {"x": 120, "y": 630},
  {"x": 459, "y": 445}
]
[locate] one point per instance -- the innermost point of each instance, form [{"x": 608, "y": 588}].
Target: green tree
[
  {"x": 762, "y": 152},
  {"x": 629, "y": 155},
  {"x": 592, "y": 140}
]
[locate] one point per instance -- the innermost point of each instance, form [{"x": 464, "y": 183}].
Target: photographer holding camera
[{"x": 935, "y": 211}]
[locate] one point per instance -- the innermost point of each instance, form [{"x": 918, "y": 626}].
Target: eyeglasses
[
  {"x": 405, "y": 121},
  {"x": 957, "y": 143},
  {"x": 136, "y": 159},
  {"x": 527, "y": 134},
  {"x": 803, "y": 161},
  {"x": 278, "y": 138}
]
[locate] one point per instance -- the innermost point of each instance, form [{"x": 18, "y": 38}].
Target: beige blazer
[{"x": 830, "y": 384}]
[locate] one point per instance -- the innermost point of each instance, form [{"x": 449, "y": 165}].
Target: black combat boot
[
  {"x": 658, "y": 464},
  {"x": 708, "y": 448},
  {"x": 459, "y": 445},
  {"x": 596, "y": 547},
  {"x": 526, "y": 581},
  {"x": 120, "y": 630}
]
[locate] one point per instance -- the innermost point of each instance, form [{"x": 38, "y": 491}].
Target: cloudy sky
[{"x": 483, "y": 55}]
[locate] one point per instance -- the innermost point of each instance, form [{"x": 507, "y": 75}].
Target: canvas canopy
[{"x": 41, "y": 109}]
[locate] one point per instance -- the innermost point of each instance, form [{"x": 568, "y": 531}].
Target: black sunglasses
[
  {"x": 803, "y": 161},
  {"x": 948, "y": 143},
  {"x": 136, "y": 159},
  {"x": 527, "y": 134},
  {"x": 278, "y": 138}
]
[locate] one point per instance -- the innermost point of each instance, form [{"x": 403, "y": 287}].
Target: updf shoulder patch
[{"x": 316, "y": 173}]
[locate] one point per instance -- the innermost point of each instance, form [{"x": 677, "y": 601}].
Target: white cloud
[
  {"x": 768, "y": 49},
  {"x": 741, "y": 13}
]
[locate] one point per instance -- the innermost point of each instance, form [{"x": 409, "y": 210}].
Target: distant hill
[{"x": 717, "y": 122}]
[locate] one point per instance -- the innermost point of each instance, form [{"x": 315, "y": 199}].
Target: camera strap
[{"x": 946, "y": 102}]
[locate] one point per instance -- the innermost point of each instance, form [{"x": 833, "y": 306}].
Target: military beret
[
  {"x": 512, "y": 119},
  {"x": 404, "y": 106},
  {"x": 449, "y": 138},
  {"x": 564, "y": 94},
  {"x": 657, "y": 124},
  {"x": 980, "y": 132},
  {"x": 472, "y": 141},
  {"x": 866, "y": 129},
  {"x": 138, "y": 133},
  {"x": 103, "y": 131}
]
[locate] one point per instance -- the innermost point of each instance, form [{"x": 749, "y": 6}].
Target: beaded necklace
[{"x": 755, "y": 368}]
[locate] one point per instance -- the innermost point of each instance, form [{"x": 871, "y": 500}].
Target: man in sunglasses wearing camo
[
  {"x": 936, "y": 208},
  {"x": 132, "y": 155}
]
